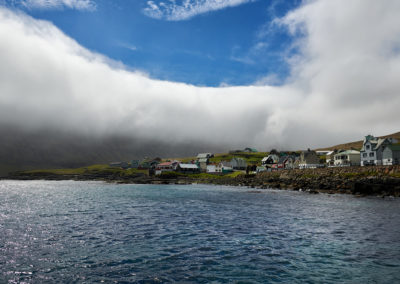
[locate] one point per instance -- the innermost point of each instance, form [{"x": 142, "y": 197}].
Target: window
[
  {"x": 371, "y": 154},
  {"x": 367, "y": 147},
  {"x": 364, "y": 155}
]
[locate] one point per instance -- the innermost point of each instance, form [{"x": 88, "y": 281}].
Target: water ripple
[{"x": 90, "y": 232}]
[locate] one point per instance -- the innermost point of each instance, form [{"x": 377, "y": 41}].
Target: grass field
[
  {"x": 94, "y": 169},
  {"x": 250, "y": 158}
]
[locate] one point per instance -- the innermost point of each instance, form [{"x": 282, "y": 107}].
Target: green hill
[{"x": 357, "y": 145}]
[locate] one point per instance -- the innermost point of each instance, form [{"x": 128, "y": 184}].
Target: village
[{"x": 374, "y": 152}]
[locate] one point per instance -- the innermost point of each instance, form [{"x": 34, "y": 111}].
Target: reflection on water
[{"x": 93, "y": 232}]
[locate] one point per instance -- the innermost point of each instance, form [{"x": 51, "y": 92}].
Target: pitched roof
[
  {"x": 188, "y": 166},
  {"x": 251, "y": 150},
  {"x": 349, "y": 152},
  {"x": 204, "y": 155}
]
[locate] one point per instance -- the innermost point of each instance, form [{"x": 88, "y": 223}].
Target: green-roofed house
[
  {"x": 391, "y": 155},
  {"x": 250, "y": 150}
]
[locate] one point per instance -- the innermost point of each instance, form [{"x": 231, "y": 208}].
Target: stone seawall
[{"x": 379, "y": 180}]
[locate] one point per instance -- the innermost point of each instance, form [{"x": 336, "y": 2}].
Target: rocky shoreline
[{"x": 364, "y": 181}]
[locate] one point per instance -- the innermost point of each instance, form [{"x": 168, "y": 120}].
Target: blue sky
[
  {"x": 233, "y": 45},
  {"x": 303, "y": 74}
]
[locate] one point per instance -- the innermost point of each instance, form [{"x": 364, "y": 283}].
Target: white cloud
[
  {"x": 48, "y": 80},
  {"x": 171, "y": 11},
  {"x": 88, "y": 5},
  {"x": 343, "y": 84}
]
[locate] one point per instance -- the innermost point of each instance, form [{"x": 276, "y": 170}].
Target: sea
[{"x": 95, "y": 232}]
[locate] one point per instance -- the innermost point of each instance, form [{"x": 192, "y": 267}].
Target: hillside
[
  {"x": 23, "y": 150},
  {"x": 250, "y": 158},
  {"x": 358, "y": 144}
]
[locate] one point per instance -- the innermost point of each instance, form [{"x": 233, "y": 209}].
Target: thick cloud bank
[{"x": 344, "y": 84}]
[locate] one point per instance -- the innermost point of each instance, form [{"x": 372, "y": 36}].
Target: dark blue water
[{"x": 85, "y": 232}]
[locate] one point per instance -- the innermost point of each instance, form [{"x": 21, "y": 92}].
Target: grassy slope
[
  {"x": 251, "y": 158},
  {"x": 358, "y": 144},
  {"x": 94, "y": 169},
  {"x": 97, "y": 169}
]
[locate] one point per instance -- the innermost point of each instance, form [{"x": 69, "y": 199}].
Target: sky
[
  {"x": 200, "y": 42},
  {"x": 283, "y": 74}
]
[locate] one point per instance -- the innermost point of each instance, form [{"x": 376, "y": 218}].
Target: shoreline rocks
[{"x": 364, "y": 181}]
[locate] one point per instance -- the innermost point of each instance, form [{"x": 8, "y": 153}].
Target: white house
[
  {"x": 347, "y": 158},
  {"x": 270, "y": 159},
  {"x": 214, "y": 169},
  {"x": 330, "y": 158},
  {"x": 188, "y": 168},
  {"x": 371, "y": 151},
  {"x": 166, "y": 167}
]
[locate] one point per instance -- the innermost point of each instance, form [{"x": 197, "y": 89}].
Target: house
[
  {"x": 250, "y": 150},
  {"x": 270, "y": 159},
  {"x": 372, "y": 149},
  {"x": 149, "y": 163},
  {"x": 219, "y": 168},
  {"x": 391, "y": 155},
  {"x": 188, "y": 168},
  {"x": 166, "y": 167},
  {"x": 205, "y": 155},
  {"x": 226, "y": 169},
  {"x": 202, "y": 163},
  {"x": 238, "y": 163},
  {"x": 135, "y": 164},
  {"x": 286, "y": 162},
  {"x": 212, "y": 169},
  {"x": 309, "y": 159},
  {"x": 347, "y": 158},
  {"x": 281, "y": 162},
  {"x": 329, "y": 157}
]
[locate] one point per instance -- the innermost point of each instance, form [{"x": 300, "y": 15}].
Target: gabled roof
[
  {"x": 165, "y": 164},
  {"x": 282, "y": 159},
  {"x": 188, "y": 166},
  {"x": 349, "y": 152},
  {"x": 204, "y": 155},
  {"x": 251, "y": 150}
]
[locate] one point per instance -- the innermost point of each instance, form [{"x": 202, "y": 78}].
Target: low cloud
[
  {"x": 171, "y": 11},
  {"x": 343, "y": 84}
]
